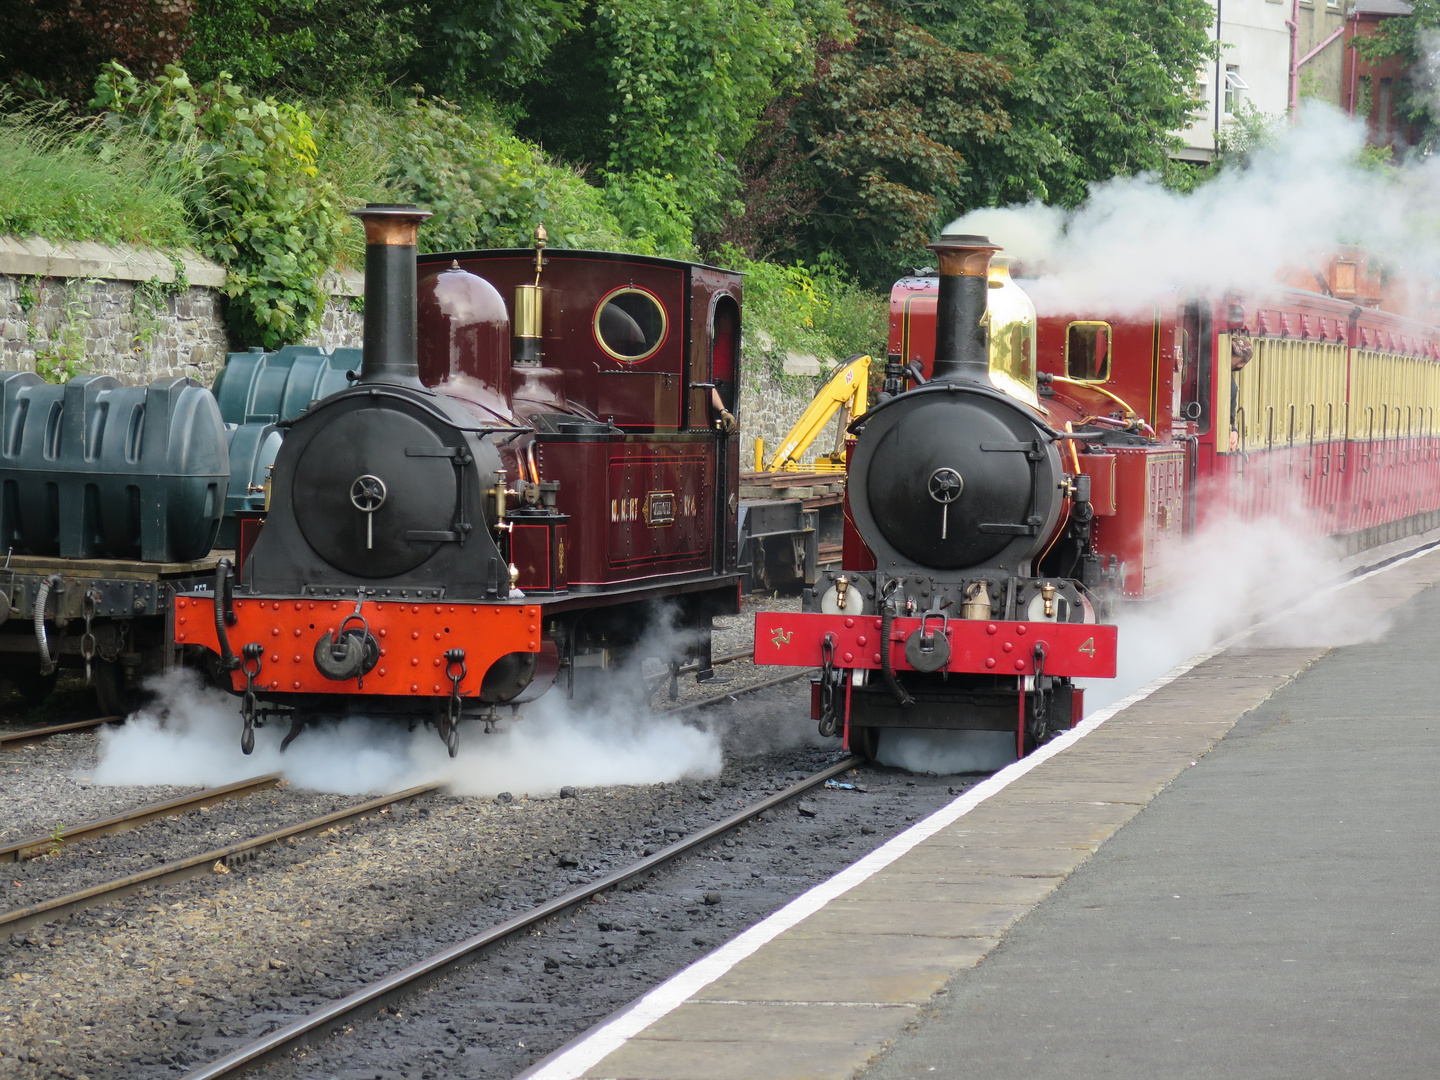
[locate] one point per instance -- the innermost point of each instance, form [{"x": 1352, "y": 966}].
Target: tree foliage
[
  {"x": 670, "y": 91},
  {"x": 888, "y": 125},
  {"x": 1108, "y": 81},
  {"x": 53, "y": 48},
  {"x": 317, "y": 48},
  {"x": 468, "y": 48}
]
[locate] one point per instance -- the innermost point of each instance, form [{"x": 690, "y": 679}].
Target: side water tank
[
  {"x": 97, "y": 470},
  {"x": 272, "y": 387}
]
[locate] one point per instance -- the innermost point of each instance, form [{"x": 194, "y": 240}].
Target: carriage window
[
  {"x": 1087, "y": 351},
  {"x": 630, "y": 324}
]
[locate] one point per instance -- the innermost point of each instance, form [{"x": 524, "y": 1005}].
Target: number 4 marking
[{"x": 1089, "y": 647}]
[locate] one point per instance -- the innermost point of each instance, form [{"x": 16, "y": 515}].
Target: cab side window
[{"x": 1087, "y": 351}]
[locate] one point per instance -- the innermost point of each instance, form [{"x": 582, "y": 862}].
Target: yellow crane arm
[{"x": 847, "y": 390}]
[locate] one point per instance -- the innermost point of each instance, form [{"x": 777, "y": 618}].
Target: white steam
[
  {"x": 1228, "y": 576},
  {"x": 191, "y": 736},
  {"x": 1133, "y": 239},
  {"x": 948, "y": 753}
]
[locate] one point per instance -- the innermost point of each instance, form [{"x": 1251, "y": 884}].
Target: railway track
[
  {"x": 49, "y": 842},
  {"x": 196, "y": 865},
  {"x": 14, "y": 740},
  {"x": 654, "y": 682},
  {"x": 376, "y": 995}
]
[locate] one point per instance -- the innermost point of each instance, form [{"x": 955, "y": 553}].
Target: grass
[{"x": 64, "y": 179}]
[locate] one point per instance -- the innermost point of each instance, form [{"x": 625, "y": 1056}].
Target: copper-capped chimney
[
  {"x": 962, "y": 334},
  {"x": 391, "y": 232}
]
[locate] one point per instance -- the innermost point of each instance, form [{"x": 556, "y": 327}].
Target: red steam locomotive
[
  {"x": 416, "y": 551},
  {"x": 963, "y": 604},
  {"x": 1314, "y": 400}
]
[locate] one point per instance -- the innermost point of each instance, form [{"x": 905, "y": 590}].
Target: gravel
[
  {"x": 175, "y": 976},
  {"x": 47, "y": 785},
  {"x": 178, "y": 976}
]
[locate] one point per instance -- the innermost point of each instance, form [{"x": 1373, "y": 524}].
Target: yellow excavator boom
[{"x": 847, "y": 391}]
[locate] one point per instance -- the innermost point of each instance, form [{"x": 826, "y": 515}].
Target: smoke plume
[{"x": 1296, "y": 200}]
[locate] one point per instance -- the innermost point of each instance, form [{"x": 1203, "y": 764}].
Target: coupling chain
[
  {"x": 831, "y": 681},
  {"x": 250, "y": 665},
  {"x": 1042, "y": 719},
  {"x": 87, "y": 639},
  {"x": 455, "y": 672}
]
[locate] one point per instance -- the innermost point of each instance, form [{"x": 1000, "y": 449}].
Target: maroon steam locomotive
[{"x": 417, "y": 551}]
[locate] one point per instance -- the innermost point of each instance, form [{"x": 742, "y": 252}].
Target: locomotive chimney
[
  {"x": 962, "y": 337},
  {"x": 390, "y": 247}
]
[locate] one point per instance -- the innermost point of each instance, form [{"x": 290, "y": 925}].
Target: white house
[{"x": 1273, "y": 52}]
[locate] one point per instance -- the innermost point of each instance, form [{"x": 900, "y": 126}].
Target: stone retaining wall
[{"x": 88, "y": 308}]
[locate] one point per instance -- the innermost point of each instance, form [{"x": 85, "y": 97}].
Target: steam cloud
[
  {"x": 1228, "y": 576},
  {"x": 191, "y": 736},
  {"x": 1133, "y": 239}
]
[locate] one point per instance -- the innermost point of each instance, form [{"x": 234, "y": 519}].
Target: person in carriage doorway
[{"x": 1242, "y": 350}]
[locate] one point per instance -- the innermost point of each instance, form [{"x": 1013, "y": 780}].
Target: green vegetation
[
  {"x": 816, "y": 144},
  {"x": 805, "y": 309},
  {"x": 64, "y": 178}
]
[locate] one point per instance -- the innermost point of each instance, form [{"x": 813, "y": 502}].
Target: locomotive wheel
[{"x": 865, "y": 741}]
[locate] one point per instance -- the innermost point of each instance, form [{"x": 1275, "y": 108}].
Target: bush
[
  {"x": 259, "y": 202},
  {"x": 806, "y": 309},
  {"x": 489, "y": 188}
]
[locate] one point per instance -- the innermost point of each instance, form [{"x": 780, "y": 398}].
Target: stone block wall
[
  {"x": 770, "y": 406},
  {"x": 87, "y": 309}
]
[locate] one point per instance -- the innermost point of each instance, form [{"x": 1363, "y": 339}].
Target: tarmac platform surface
[{"x": 1234, "y": 876}]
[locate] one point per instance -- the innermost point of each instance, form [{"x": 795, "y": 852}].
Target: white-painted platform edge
[{"x": 599, "y": 1043}]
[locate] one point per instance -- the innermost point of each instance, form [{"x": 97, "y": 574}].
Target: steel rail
[
  {"x": 317, "y": 1024},
  {"x": 654, "y": 682},
  {"x": 735, "y": 692},
  {"x": 196, "y": 865},
  {"x": 37, "y": 845},
  {"x": 14, "y": 740}
]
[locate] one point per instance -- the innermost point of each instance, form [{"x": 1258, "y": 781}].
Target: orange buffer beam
[
  {"x": 982, "y": 647},
  {"x": 413, "y": 640}
]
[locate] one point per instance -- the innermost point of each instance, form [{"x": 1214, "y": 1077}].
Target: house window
[{"x": 1234, "y": 85}]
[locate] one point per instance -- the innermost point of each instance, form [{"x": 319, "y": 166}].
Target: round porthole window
[{"x": 630, "y": 324}]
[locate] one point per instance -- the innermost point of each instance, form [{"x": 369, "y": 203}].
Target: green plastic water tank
[
  {"x": 94, "y": 469},
  {"x": 252, "y": 451},
  {"x": 273, "y": 387}
]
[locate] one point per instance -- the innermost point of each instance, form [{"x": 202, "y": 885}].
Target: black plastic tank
[
  {"x": 272, "y": 387},
  {"x": 94, "y": 469}
]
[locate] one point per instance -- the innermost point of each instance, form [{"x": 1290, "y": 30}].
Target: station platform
[{"x": 1233, "y": 873}]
